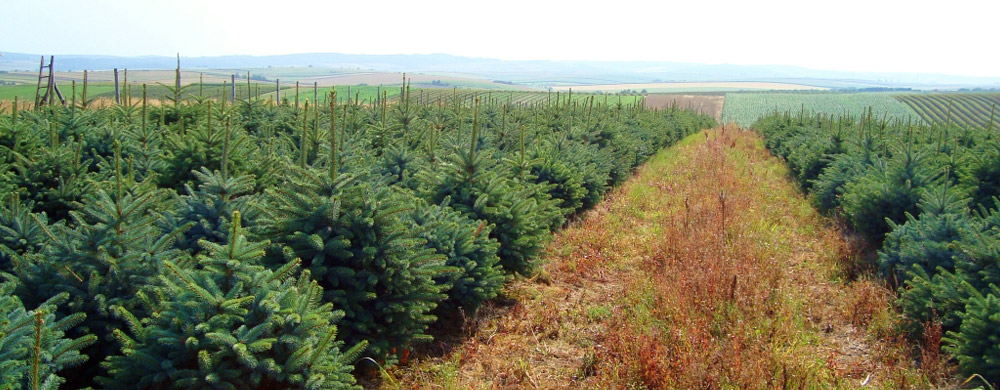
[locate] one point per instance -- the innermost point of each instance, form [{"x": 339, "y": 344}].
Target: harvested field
[{"x": 706, "y": 104}]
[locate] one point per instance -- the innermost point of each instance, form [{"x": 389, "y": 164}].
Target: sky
[{"x": 915, "y": 36}]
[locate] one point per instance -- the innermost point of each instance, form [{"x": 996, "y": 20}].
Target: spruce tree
[
  {"x": 20, "y": 232},
  {"x": 469, "y": 250},
  {"x": 887, "y": 191},
  {"x": 230, "y": 323},
  {"x": 976, "y": 345},
  {"x": 101, "y": 258},
  {"x": 939, "y": 298},
  {"x": 352, "y": 237},
  {"x": 33, "y": 344},
  {"x": 207, "y": 209},
  {"x": 520, "y": 213},
  {"x": 933, "y": 239}
]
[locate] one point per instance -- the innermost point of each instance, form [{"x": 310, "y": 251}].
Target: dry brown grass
[
  {"x": 705, "y": 104},
  {"x": 707, "y": 270}
]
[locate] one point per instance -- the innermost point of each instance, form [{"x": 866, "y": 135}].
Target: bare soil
[{"x": 705, "y": 104}]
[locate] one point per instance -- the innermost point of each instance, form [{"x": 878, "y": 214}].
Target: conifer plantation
[
  {"x": 206, "y": 242},
  {"x": 926, "y": 197}
]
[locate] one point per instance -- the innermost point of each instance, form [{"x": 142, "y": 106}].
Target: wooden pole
[
  {"x": 232, "y": 96},
  {"x": 49, "y": 88},
  {"x": 84, "y": 97},
  {"x": 118, "y": 94},
  {"x": 125, "y": 88},
  {"x": 177, "y": 73},
  {"x": 41, "y": 66}
]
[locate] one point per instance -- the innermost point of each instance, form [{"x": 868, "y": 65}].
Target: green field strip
[
  {"x": 990, "y": 107},
  {"x": 975, "y": 108},
  {"x": 922, "y": 109},
  {"x": 967, "y": 109}
]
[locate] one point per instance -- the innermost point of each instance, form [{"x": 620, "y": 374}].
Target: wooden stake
[
  {"x": 118, "y": 94},
  {"x": 84, "y": 97}
]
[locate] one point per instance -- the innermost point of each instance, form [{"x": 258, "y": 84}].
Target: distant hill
[{"x": 523, "y": 72}]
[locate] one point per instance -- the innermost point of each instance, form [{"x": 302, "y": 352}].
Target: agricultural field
[
  {"x": 364, "y": 85},
  {"x": 744, "y": 108},
  {"x": 708, "y": 104},
  {"x": 680, "y": 87},
  {"x": 963, "y": 109},
  {"x": 468, "y": 238}
]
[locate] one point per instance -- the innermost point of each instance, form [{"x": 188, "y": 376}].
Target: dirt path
[{"x": 708, "y": 269}]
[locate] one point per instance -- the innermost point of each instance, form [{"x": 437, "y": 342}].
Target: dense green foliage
[
  {"x": 229, "y": 323},
  {"x": 928, "y": 196},
  {"x": 33, "y": 344},
  {"x": 171, "y": 236}
]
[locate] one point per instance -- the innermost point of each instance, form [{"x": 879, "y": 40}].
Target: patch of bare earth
[{"x": 704, "y": 104}]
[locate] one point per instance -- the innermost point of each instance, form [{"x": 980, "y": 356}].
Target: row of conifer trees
[
  {"x": 926, "y": 196},
  {"x": 197, "y": 243}
]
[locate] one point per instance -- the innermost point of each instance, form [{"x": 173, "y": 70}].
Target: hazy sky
[{"x": 954, "y": 37}]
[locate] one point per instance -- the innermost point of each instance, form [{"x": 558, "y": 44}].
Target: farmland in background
[
  {"x": 745, "y": 108},
  {"x": 707, "y": 86},
  {"x": 964, "y": 109},
  {"x": 367, "y": 83},
  {"x": 519, "y": 97},
  {"x": 708, "y": 103}
]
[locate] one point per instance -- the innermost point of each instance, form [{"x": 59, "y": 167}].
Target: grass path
[{"x": 707, "y": 270}]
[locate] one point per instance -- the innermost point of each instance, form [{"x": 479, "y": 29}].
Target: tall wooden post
[
  {"x": 118, "y": 92},
  {"x": 84, "y": 97}
]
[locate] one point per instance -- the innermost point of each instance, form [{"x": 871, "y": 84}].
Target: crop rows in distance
[
  {"x": 744, "y": 108},
  {"x": 963, "y": 109}
]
